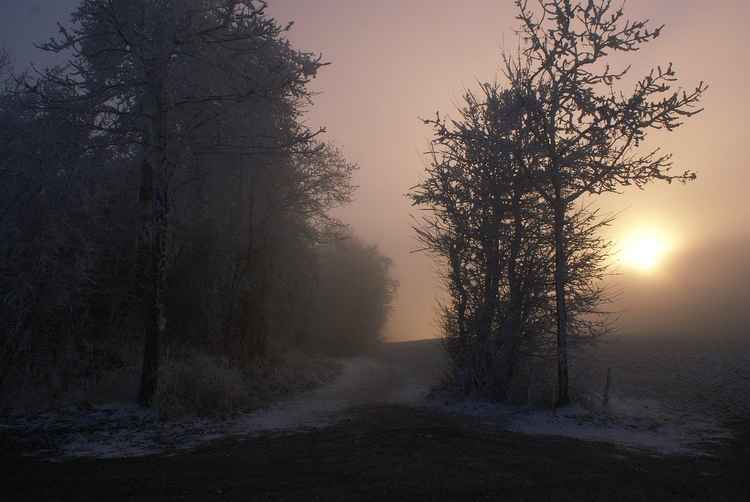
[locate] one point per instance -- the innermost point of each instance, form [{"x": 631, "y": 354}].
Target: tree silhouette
[
  {"x": 163, "y": 78},
  {"x": 588, "y": 131},
  {"x": 490, "y": 226}
]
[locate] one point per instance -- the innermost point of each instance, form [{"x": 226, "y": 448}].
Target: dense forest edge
[{"x": 166, "y": 227}]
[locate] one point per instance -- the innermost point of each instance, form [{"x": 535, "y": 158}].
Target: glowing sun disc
[{"x": 644, "y": 251}]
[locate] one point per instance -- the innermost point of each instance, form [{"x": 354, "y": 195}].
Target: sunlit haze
[
  {"x": 645, "y": 250},
  {"x": 405, "y": 60},
  {"x": 393, "y": 62}
]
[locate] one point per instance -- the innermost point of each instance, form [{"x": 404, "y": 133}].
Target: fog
[
  {"x": 394, "y": 62},
  {"x": 703, "y": 290}
]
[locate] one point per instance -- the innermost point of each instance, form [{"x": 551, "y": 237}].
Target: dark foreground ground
[{"x": 388, "y": 453}]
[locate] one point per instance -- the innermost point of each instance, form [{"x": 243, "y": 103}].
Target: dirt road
[
  {"x": 385, "y": 453},
  {"x": 379, "y": 446}
]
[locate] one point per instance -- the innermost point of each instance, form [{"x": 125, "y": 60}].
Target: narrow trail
[{"x": 396, "y": 374}]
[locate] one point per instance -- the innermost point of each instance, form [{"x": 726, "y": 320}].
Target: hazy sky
[{"x": 396, "y": 60}]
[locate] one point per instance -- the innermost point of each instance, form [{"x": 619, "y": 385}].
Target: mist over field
[{"x": 702, "y": 291}]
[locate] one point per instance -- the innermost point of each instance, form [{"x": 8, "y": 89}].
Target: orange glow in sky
[{"x": 645, "y": 250}]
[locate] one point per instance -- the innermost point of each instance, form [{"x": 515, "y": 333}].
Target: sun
[{"x": 645, "y": 251}]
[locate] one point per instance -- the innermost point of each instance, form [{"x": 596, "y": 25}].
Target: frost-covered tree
[
  {"x": 490, "y": 228},
  {"x": 588, "y": 130},
  {"x": 166, "y": 82}
]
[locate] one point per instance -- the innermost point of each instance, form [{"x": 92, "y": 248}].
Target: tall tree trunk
[
  {"x": 561, "y": 277},
  {"x": 489, "y": 312},
  {"x": 489, "y": 308},
  {"x": 459, "y": 293},
  {"x": 150, "y": 366},
  {"x": 147, "y": 285},
  {"x": 512, "y": 326},
  {"x": 252, "y": 332},
  {"x": 152, "y": 255}
]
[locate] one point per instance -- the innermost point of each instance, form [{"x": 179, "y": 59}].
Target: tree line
[
  {"x": 161, "y": 189},
  {"x": 522, "y": 253}
]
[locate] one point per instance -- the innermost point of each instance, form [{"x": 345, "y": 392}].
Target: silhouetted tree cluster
[
  {"x": 506, "y": 180},
  {"x": 162, "y": 181},
  {"x": 491, "y": 229}
]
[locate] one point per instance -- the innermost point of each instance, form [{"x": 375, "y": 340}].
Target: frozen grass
[
  {"x": 201, "y": 385},
  {"x": 305, "y": 402},
  {"x": 201, "y": 398},
  {"x": 669, "y": 395},
  {"x": 704, "y": 376},
  {"x": 662, "y": 407},
  {"x": 634, "y": 425}
]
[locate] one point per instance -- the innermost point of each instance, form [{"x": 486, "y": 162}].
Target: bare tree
[
  {"x": 588, "y": 130},
  {"x": 491, "y": 227}
]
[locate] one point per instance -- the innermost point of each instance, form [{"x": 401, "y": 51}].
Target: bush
[
  {"x": 200, "y": 385},
  {"x": 209, "y": 386}
]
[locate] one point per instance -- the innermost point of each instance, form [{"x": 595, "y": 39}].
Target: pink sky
[{"x": 394, "y": 61}]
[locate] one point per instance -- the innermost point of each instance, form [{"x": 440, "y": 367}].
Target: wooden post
[{"x": 605, "y": 397}]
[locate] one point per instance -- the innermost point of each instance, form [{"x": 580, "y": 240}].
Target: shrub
[
  {"x": 201, "y": 385},
  {"x": 210, "y": 386}
]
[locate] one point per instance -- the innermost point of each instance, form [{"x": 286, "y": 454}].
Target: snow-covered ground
[
  {"x": 123, "y": 430},
  {"x": 645, "y": 411},
  {"x": 633, "y": 425},
  {"x": 669, "y": 395}
]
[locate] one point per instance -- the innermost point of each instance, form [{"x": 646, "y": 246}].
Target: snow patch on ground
[
  {"x": 122, "y": 430},
  {"x": 403, "y": 377},
  {"x": 634, "y": 424}
]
